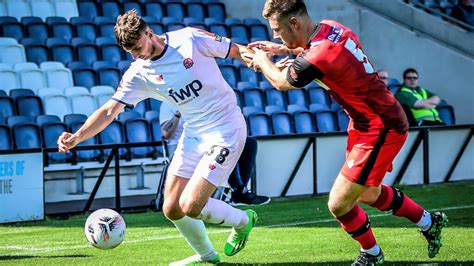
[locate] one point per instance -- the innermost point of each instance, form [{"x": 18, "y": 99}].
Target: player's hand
[
  {"x": 67, "y": 141},
  {"x": 258, "y": 57},
  {"x": 284, "y": 63},
  {"x": 274, "y": 48}
]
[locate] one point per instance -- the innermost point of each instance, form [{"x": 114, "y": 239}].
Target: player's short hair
[
  {"x": 284, "y": 8},
  {"x": 409, "y": 70},
  {"x": 129, "y": 28}
]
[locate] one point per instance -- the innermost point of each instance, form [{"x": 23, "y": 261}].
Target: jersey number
[{"x": 357, "y": 52}]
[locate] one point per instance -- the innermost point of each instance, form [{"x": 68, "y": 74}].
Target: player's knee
[
  {"x": 337, "y": 207},
  {"x": 189, "y": 207},
  {"x": 172, "y": 210}
]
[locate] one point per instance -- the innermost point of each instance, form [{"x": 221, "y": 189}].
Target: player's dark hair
[
  {"x": 129, "y": 28},
  {"x": 409, "y": 70},
  {"x": 284, "y": 8}
]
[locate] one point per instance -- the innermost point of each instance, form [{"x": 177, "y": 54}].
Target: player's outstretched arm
[
  {"x": 275, "y": 73},
  {"x": 100, "y": 119},
  {"x": 240, "y": 52},
  {"x": 274, "y": 48}
]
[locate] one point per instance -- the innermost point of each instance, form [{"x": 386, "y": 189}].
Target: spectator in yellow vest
[{"x": 421, "y": 102}]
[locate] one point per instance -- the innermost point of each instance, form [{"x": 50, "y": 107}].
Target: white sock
[
  {"x": 374, "y": 251},
  {"x": 425, "y": 222},
  {"x": 219, "y": 212},
  {"x": 195, "y": 234}
]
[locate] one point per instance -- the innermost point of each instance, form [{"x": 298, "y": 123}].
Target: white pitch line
[{"x": 35, "y": 251}]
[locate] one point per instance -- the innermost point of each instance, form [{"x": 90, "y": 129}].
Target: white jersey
[{"x": 187, "y": 76}]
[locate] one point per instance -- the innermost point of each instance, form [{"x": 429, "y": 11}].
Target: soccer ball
[{"x": 105, "y": 229}]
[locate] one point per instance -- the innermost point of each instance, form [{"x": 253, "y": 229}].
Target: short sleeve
[
  {"x": 301, "y": 72},
  {"x": 211, "y": 44},
  {"x": 167, "y": 112},
  {"x": 131, "y": 90}
]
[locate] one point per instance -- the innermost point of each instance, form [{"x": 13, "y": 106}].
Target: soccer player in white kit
[{"x": 179, "y": 67}]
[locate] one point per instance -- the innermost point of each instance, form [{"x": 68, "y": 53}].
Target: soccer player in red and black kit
[{"x": 330, "y": 54}]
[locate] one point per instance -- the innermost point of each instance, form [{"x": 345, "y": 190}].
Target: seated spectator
[
  {"x": 420, "y": 101},
  {"x": 464, "y": 12},
  {"x": 383, "y": 76},
  {"x": 171, "y": 129}
]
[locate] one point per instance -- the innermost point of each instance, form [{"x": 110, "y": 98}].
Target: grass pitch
[{"x": 289, "y": 232}]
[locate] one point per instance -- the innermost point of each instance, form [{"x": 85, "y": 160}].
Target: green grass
[{"x": 290, "y": 232}]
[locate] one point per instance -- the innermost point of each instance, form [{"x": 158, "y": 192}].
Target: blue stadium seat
[
  {"x": 156, "y": 129},
  {"x": 72, "y": 118},
  {"x": 151, "y": 19},
  {"x": 6, "y": 142},
  {"x": 304, "y": 122},
  {"x": 446, "y": 113},
  {"x": 137, "y": 130},
  {"x": 85, "y": 155},
  {"x": 216, "y": 10},
  {"x": 335, "y": 106},
  {"x": 297, "y": 96},
  {"x": 13, "y": 30},
  {"x": 316, "y": 107},
  {"x": 51, "y": 133},
  {"x": 141, "y": 107},
  {"x": 318, "y": 95},
  {"x": 155, "y": 9},
  {"x": 42, "y": 9},
  {"x": 7, "y": 106},
  {"x": 29, "y": 105},
  {"x": 107, "y": 30},
  {"x": 158, "y": 28},
  {"x": 129, "y": 5},
  {"x": 238, "y": 96},
  {"x": 3, "y": 93},
  {"x": 55, "y": 104},
  {"x": 59, "y": 78},
  {"x": 111, "y": 9},
  {"x": 152, "y": 114},
  {"x": 282, "y": 123},
  {"x": 12, "y": 54},
  {"x": 111, "y": 52},
  {"x": 342, "y": 120},
  {"x": 154, "y": 104},
  {"x": 86, "y": 30},
  {"x": 32, "y": 79},
  {"x": 6, "y": 19},
  {"x": 254, "y": 97},
  {"x": 326, "y": 121},
  {"x": 18, "y": 8},
  {"x": 175, "y": 9},
  {"x": 109, "y": 76},
  {"x": 63, "y": 53},
  {"x": 29, "y": 19},
  {"x": 15, "y": 93},
  {"x": 230, "y": 75},
  {"x": 100, "y": 20},
  {"x": 247, "y": 74},
  {"x": 76, "y": 90},
  {"x": 85, "y": 77},
  {"x": 62, "y": 30},
  {"x": 52, "y": 41},
  {"x": 83, "y": 104},
  {"x": 239, "y": 31},
  {"x": 9, "y": 80},
  {"x": 259, "y": 125},
  {"x": 248, "y": 110},
  {"x": 76, "y": 65},
  {"x": 37, "y": 30},
  {"x": 87, "y": 53},
  {"x": 25, "y": 41},
  {"x": 19, "y": 119},
  {"x": 244, "y": 85},
  {"x": 82, "y": 19},
  {"x": 196, "y": 10},
  {"x": 55, "y": 20},
  {"x": 123, "y": 65},
  {"x": 270, "y": 109},
  {"x": 37, "y": 53},
  {"x": 127, "y": 115},
  {"x": 292, "y": 108},
  {"x": 259, "y": 31},
  {"x": 220, "y": 29},
  {"x": 66, "y": 8},
  {"x": 101, "y": 64},
  {"x": 45, "y": 119},
  {"x": 275, "y": 97},
  {"x": 88, "y": 9},
  {"x": 26, "y": 136}
]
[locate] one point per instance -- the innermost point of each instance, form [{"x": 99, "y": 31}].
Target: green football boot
[
  {"x": 433, "y": 235},
  {"x": 238, "y": 237}
]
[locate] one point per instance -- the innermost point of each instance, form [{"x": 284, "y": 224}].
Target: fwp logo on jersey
[{"x": 186, "y": 94}]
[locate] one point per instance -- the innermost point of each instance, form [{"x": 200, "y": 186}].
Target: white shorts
[{"x": 212, "y": 157}]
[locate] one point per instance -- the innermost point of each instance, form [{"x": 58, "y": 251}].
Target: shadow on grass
[
  {"x": 26, "y": 257},
  {"x": 386, "y": 263}
]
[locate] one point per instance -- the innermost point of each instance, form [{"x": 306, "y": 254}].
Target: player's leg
[
  {"x": 353, "y": 219},
  {"x": 388, "y": 198}
]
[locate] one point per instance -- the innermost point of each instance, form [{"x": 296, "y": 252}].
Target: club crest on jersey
[
  {"x": 160, "y": 79},
  {"x": 212, "y": 167},
  {"x": 335, "y": 34},
  {"x": 188, "y": 63}
]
